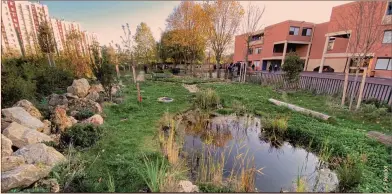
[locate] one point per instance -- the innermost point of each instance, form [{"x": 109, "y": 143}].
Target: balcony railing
[{"x": 255, "y": 42}]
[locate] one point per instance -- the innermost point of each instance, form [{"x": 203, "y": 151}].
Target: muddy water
[{"x": 281, "y": 163}]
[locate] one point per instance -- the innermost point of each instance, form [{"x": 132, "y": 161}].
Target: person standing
[
  {"x": 275, "y": 68},
  {"x": 145, "y": 69},
  {"x": 270, "y": 68}
]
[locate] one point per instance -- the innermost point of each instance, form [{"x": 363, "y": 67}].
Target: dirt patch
[{"x": 191, "y": 88}]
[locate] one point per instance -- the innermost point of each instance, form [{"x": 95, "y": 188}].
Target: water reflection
[{"x": 232, "y": 137}]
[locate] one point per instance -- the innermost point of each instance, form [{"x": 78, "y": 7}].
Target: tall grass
[
  {"x": 154, "y": 173},
  {"x": 207, "y": 99},
  {"x": 238, "y": 108},
  {"x": 168, "y": 139},
  {"x": 350, "y": 173}
]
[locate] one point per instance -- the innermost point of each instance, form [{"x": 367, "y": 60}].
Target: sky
[{"x": 105, "y": 18}]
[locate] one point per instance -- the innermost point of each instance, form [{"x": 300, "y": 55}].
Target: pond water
[{"x": 281, "y": 162}]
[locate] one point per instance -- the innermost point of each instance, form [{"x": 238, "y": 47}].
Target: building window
[
  {"x": 250, "y": 51},
  {"x": 389, "y": 9},
  {"x": 307, "y": 32},
  {"x": 387, "y": 37},
  {"x": 330, "y": 43},
  {"x": 384, "y": 64},
  {"x": 257, "y": 50},
  {"x": 294, "y": 30}
]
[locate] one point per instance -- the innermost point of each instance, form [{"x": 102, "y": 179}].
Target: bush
[
  {"x": 81, "y": 136},
  {"x": 53, "y": 80},
  {"x": 207, "y": 99},
  {"x": 84, "y": 114},
  {"x": 238, "y": 108},
  {"x": 292, "y": 67},
  {"x": 278, "y": 124},
  {"x": 378, "y": 103},
  {"x": 349, "y": 173},
  {"x": 371, "y": 112}
]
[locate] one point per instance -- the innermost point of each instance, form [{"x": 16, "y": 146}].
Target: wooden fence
[{"x": 330, "y": 86}]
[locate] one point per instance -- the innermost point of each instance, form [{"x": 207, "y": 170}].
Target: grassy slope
[
  {"x": 119, "y": 152},
  {"x": 346, "y": 136}
]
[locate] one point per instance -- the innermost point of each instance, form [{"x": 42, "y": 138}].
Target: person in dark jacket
[{"x": 145, "y": 69}]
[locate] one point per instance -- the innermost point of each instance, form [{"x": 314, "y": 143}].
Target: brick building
[{"x": 325, "y": 45}]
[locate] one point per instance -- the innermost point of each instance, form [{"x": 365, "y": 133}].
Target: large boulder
[
  {"x": 4, "y": 123},
  {"x": 60, "y": 119},
  {"x": 6, "y": 146},
  {"x": 47, "y": 127},
  {"x": 30, "y": 108},
  {"x": 56, "y": 100},
  {"x": 39, "y": 153},
  {"x": 96, "y": 88},
  {"x": 94, "y": 96},
  {"x": 115, "y": 89},
  {"x": 83, "y": 104},
  {"x": 71, "y": 96},
  {"x": 79, "y": 88},
  {"x": 22, "y": 136},
  {"x": 22, "y": 117},
  {"x": 95, "y": 120},
  {"x": 22, "y": 176},
  {"x": 11, "y": 162},
  {"x": 187, "y": 187}
]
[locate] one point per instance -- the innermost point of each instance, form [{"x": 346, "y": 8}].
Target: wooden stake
[
  {"x": 139, "y": 96},
  {"x": 361, "y": 88},
  {"x": 134, "y": 74},
  {"x": 345, "y": 87}
]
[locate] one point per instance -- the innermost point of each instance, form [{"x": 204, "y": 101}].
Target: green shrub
[
  {"x": 378, "y": 103},
  {"x": 350, "y": 173},
  {"x": 84, "y": 114},
  {"x": 53, "y": 80},
  {"x": 278, "y": 124},
  {"x": 238, "y": 107},
  {"x": 81, "y": 136},
  {"x": 207, "y": 99},
  {"x": 371, "y": 112},
  {"x": 293, "y": 65}
]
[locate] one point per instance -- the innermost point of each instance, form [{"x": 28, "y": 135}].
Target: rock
[
  {"x": 94, "y": 96},
  {"x": 96, "y": 88},
  {"x": 71, "y": 96},
  {"x": 30, "y": 108},
  {"x": 380, "y": 137},
  {"x": 39, "y": 153},
  {"x": 118, "y": 100},
  {"x": 60, "y": 119},
  {"x": 22, "y": 117},
  {"x": 74, "y": 113},
  {"x": 11, "y": 162},
  {"x": 4, "y": 123},
  {"x": 57, "y": 100},
  {"x": 115, "y": 89},
  {"x": 22, "y": 136},
  {"x": 6, "y": 146},
  {"x": 50, "y": 184},
  {"x": 79, "y": 87},
  {"x": 56, "y": 138},
  {"x": 187, "y": 187},
  {"x": 84, "y": 104},
  {"x": 22, "y": 176},
  {"x": 73, "y": 120},
  {"x": 47, "y": 129},
  {"x": 95, "y": 120}
]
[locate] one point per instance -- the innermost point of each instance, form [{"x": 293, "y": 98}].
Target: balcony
[
  {"x": 277, "y": 54},
  {"x": 256, "y": 42}
]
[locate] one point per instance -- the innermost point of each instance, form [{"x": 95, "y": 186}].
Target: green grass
[
  {"x": 130, "y": 134},
  {"x": 131, "y": 128}
]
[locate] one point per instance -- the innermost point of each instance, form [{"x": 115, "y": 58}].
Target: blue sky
[{"x": 106, "y": 17}]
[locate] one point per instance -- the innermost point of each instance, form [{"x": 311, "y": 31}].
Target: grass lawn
[{"x": 131, "y": 128}]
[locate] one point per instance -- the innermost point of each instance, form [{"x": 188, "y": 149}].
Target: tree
[
  {"x": 226, "y": 17},
  {"x": 191, "y": 24},
  {"x": 126, "y": 42},
  {"x": 292, "y": 67},
  {"x": 361, "y": 21},
  {"x": 250, "y": 25},
  {"x": 170, "y": 49},
  {"x": 144, "y": 44},
  {"x": 103, "y": 67},
  {"x": 46, "y": 40}
]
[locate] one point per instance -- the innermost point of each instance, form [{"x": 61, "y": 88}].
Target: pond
[{"x": 232, "y": 137}]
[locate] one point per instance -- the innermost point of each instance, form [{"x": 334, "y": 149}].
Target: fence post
[{"x": 345, "y": 85}]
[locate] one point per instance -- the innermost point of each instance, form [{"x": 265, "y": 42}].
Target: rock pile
[{"x": 24, "y": 130}]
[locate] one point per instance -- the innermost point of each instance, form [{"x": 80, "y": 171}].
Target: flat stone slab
[
  {"x": 165, "y": 99},
  {"x": 21, "y": 116},
  {"x": 380, "y": 137}
]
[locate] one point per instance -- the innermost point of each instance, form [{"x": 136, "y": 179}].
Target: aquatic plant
[
  {"x": 238, "y": 108},
  {"x": 350, "y": 173},
  {"x": 207, "y": 99},
  {"x": 278, "y": 124},
  {"x": 154, "y": 172}
]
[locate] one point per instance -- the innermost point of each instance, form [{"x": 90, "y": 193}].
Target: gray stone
[
  {"x": 79, "y": 87},
  {"x": 22, "y": 136},
  {"x": 29, "y": 107},
  {"x": 57, "y": 100},
  {"x": 187, "y": 187},
  {"x": 6, "y": 146},
  {"x": 39, "y": 153},
  {"x": 71, "y": 96},
  {"x": 96, "y": 88},
  {"x": 47, "y": 127},
  {"x": 82, "y": 104},
  {"x": 22, "y": 117},
  {"x": 22, "y": 176},
  {"x": 93, "y": 95},
  {"x": 11, "y": 162},
  {"x": 94, "y": 120}
]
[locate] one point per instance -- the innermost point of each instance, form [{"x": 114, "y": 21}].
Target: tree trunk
[
  {"x": 345, "y": 83},
  {"x": 361, "y": 89},
  {"x": 355, "y": 85},
  {"x": 50, "y": 63}
]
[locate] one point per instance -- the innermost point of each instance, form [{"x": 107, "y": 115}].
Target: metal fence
[{"x": 322, "y": 85}]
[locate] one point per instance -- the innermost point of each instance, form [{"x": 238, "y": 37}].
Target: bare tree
[
  {"x": 250, "y": 25},
  {"x": 362, "y": 22},
  {"x": 126, "y": 41},
  {"x": 226, "y": 17}
]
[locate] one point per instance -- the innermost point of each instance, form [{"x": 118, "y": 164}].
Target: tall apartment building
[
  {"x": 324, "y": 47},
  {"x": 20, "y": 22}
]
